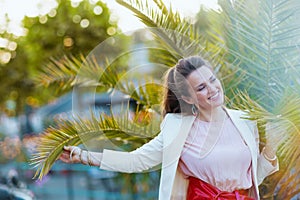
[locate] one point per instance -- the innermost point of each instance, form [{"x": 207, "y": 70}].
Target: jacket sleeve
[
  {"x": 264, "y": 167},
  {"x": 143, "y": 158}
]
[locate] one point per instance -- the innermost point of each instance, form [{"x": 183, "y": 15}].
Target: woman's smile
[{"x": 214, "y": 96}]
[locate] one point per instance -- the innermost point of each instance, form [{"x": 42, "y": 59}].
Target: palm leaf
[
  {"x": 262, "y": 36},
  {"x": 80, "y": 130},
  {"x": 58, "y": 71},
  {"x": 171, "y": 31},
  {"x": 285, "y": 131},
  {"x": 68, "y": 72},
  {"x": 256, "y": 36},
  {"x": 147, "y": 92},
  {"x": 87, "y": 73}
]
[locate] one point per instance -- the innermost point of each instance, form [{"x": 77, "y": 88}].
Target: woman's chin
[{"x": 216, "y": 104}]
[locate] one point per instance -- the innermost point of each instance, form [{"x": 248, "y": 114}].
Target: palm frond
[
  {"x": 79, "y": 130},
  {"x": 88, "y": 73},
  {"x": 50, "y": 146},
  {"x": 257, "y": 36},
  {"x": 288, "y": 126},
  {"x": 284, "y": 126},
  {"x": 58, "y": 71},
  {"x": 171, "y": 31},
  {"x": 147, "y": 92},
  {"x": 286, "y": 132},
  {"x": 68, "y": 72}
]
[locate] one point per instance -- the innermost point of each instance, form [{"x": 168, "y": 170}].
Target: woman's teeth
[{"x": 214, "y": 96}]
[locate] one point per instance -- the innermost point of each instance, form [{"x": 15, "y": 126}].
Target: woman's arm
[
  {"x": 143, "y": 158},
  {"x": 267, "y": 162}
]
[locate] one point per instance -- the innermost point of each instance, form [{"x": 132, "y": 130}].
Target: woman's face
[{"x": 205, "y": 89}]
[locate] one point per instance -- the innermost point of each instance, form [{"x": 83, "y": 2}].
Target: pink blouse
[{"x": 224, "y": 161}]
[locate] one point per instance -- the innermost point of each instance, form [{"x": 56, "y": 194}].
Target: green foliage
[
  {"x": 71, "y": 72},
  {"x": 262, "y": 39},
  {"x": 50, "y": 37},
  {"x": 262, "y": 36},
  {"x": 167, "y": 26},
  {"x": 63, "y": 33},
  {"x": 283, "y": 124}
]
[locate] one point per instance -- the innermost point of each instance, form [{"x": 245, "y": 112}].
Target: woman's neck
[{"x": 217, "y": 114}]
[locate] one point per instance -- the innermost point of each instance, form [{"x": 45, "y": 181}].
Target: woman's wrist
[
  {"x": 90, "y": 161},
  {"x": 83, "y": 157},
  {"x": 269, "y": 154},
  {"x": 78, "y": 155},
  {"x": 90, "y": 158}
]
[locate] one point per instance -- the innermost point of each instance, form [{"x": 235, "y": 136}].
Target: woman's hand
[
  {"x": 71, "y": 154},
  {"x": 272, "y": 142}
]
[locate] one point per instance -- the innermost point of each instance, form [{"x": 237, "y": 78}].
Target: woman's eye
[
  {"x": 213, "y": 79},
  {"x": 201, "y": 88}
]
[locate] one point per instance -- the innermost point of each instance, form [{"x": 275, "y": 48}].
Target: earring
[{"x": 194, "y": 110}]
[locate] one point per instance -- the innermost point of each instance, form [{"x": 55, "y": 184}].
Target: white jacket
[{"x": 166, "y": 147}]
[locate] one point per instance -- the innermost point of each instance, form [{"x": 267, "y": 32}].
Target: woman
[{"x": 206, "y": 151}]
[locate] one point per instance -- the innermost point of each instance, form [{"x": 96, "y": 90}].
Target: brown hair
[{"x": 175, "y": 85}]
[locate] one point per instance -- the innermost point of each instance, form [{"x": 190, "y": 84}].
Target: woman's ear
[{"x": 188, "y": 100}]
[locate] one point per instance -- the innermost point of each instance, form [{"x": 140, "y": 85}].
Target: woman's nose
[{"x": 212, "y": 88}]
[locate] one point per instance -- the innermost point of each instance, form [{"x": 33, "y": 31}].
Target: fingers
[
  {"x": 65, "y": 158},
  {"x": 70, "y": 154},
  {"x": 68, "y": 148}
]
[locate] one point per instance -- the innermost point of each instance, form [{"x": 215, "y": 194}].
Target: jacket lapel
[
  {"x": 175, "y": 137},
  {"x": 248, "y": 137}
]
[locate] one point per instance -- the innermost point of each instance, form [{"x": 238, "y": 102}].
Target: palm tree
[
  {"x": 262, "y": 36},
  {"x": 254, "y": 49}
]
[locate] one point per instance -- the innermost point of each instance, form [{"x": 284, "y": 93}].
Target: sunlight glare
[{"x": 16, "y": 10}]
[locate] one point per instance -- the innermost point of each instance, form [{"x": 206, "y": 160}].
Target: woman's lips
[{"x": 215, "y": 96}]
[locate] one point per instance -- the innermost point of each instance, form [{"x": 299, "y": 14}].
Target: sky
[
  {"x": 16, "y": 9},
  {"x": 129, "y": 22}
]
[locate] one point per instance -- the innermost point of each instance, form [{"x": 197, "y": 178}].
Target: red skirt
[{"x": 200, "y": 190}]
